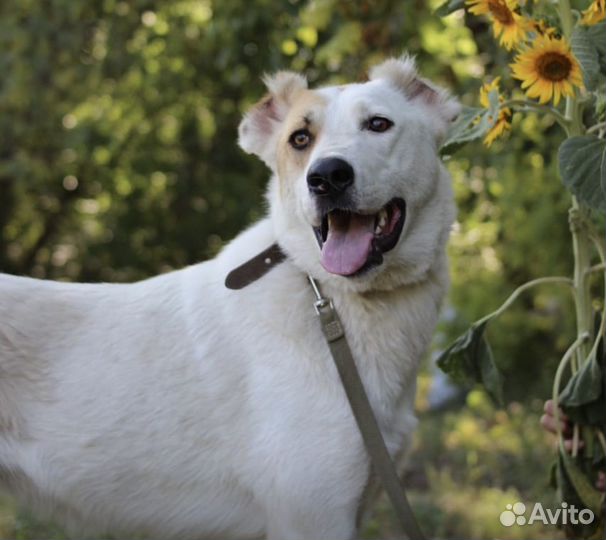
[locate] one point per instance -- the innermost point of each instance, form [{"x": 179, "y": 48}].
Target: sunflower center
[
  {"x": 553, "y": 66},
  {"x": 500, "y": 11}
]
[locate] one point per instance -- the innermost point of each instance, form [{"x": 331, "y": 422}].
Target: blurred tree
[{"x": 116, "y": 119}]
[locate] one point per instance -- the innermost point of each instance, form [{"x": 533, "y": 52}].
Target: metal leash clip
[{"x": 321, "y": 301}]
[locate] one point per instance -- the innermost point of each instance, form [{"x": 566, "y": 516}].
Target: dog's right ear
[
  {"x": 259, "y": 128},
  {"x": 402, "y": 73}
]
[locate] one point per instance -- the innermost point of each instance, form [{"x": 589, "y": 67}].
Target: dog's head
[{"x": 358, "y": 194}]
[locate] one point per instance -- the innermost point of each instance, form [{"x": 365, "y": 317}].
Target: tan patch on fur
[{"x": 307, "y": 111}]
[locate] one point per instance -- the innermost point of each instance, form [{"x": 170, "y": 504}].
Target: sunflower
[
  {"x": 548, "y": 69},
  {"x": 595, "y": 13},
  {"x": 507, "y": 24},
  {"x": 540, "y": 27},
  {"x": 503, "y": 120}
]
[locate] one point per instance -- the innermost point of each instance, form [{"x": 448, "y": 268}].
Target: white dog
[{"x": 177, "y": 407}]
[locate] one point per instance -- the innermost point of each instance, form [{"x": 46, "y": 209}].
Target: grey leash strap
[{"x": 362, "y": 411}]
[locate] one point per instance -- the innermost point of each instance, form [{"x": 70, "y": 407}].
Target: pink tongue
[{"x": 348, "y": 243}]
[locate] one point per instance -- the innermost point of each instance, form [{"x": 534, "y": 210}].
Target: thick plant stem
[
  {"x": 566, "y": 18},
  {"x": 582, "y": 263},
  {"x": 581, "y": 245},
  {"x": 578, "y": 229},
  {"x": 581, "y": 248}
]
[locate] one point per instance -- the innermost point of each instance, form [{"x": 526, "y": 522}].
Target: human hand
[{"x": 549, "y": 423}]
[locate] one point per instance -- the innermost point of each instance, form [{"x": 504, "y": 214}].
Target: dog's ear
[
  {"x": 402, "y": 73},
  {"x": 260, "y": 126}
]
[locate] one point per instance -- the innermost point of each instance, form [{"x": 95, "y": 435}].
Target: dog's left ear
[
  {"x": 402, "y": 73},
  {"x": 259, "y": 128}
]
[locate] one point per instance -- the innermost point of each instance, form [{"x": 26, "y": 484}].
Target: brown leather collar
[{"x": 255, "y": 268}]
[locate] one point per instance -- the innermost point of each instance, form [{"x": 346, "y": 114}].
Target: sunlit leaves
[
  {"x": 342, "y": 43},
  {"x": 308, "y": 35}
]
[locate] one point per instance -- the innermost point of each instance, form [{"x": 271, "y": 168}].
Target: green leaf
[
  {"x": 589, "y": 495},
  {"x": 581, "y": 169},
  {"x": 450, "y": 6},
  {"x": 469, "y": 360},
  {"x": 586, "y": 52},
  {"x": 470, "y": 125},
  {"x": 597, "y": 35},
  {"x": 603, "y": 172},
  {"x": 584, "y": 386},
  {"x": 576, "y": 490},
  {"x": 584, "y": 397}
]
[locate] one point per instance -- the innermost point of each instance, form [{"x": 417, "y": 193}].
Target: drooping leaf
[
  {"x": 469, "y": 360},
  {"x": 584, "y": 396},
  {"x": 584, "y": 386},
  {"x": 576, "y": 490},
  {"x": 580, "y": 161},
  {"x": 589, "y": 495},
  {"x": 450, "y": 6},
  {"x": 598, "y": 460},
  {"x": 585, "y": 50}
]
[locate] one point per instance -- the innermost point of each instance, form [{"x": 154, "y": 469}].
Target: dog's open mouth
[{"x": 352, "y": 243}]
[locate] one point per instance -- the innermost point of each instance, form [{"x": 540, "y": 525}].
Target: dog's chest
[{"x": 387, "y": 333}]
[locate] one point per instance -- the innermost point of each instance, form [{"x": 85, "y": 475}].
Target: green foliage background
[{"x": 118, "y": 160}]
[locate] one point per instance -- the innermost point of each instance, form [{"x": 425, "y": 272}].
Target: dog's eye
[
  {"x": 378, "y": 124},
  {"x": 300, "y": 139}
]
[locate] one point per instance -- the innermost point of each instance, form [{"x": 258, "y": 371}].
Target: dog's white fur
[{"x": 175, "y": 407}]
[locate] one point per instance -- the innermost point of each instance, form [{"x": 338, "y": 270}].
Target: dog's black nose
[{"x": 330, "y": 177}]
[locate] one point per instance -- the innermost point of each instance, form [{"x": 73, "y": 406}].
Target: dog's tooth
[{"x": 382, "y": 221}]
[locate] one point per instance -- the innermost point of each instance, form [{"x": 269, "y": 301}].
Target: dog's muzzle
[{"x": 352, "y": 242}]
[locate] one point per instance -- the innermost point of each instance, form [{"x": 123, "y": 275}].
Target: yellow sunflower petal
[
  {"x": 595, "y": 13},
  {"x": 501, "y": 125},
  {"x": 556, "y": 93},
  {"x": 567, "y": 88},
  {"x": 529, "y": 81},
  {"x": 477, "y": 7},
  {"x": 486, "y": 89}
]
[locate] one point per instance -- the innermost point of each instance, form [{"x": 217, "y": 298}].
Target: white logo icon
[{"x": 513, "y": 514}]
